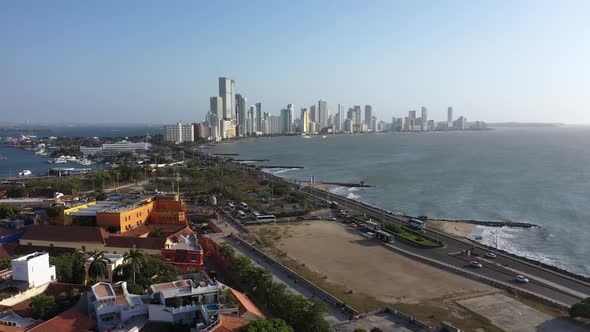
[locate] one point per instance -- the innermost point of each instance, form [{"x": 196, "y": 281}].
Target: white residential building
[
  {"x": 33, "y": 268},
  {"x": 181, "y": 302},
  {"x": 179, "y": 133}
]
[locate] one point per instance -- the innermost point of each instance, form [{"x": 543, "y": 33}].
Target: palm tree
[
  {"x": 136, "y": 258},
  {"x": 99, "y": 266}
]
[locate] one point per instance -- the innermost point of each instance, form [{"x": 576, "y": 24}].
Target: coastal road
[
  {"x": 550, "y": 284},
  {"x": 544, "y": 282}
]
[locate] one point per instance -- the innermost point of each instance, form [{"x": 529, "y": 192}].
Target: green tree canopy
[
  {"x": 8, "y": 211},
  {"x": 267, "y": 325},
  {"x": 43, "y": 307}
]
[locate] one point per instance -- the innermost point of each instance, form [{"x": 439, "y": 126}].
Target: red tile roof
[
  {"x": 229, "y": 324},
  {"x": 70, "y": 320},
  {"x": 139, "y": 231},
  {"x": 153, "y": 243},
  {"x": 66, "y": 234},
  {"x": 246, "y": 305}
]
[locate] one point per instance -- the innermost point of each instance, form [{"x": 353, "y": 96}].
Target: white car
[
  {"x": 476, "y": 264},
  {"x": 522, "y": 279},
  {"x": 490, "y": 255}
]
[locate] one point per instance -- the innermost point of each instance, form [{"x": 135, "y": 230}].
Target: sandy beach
[{"x": 456, "y": 228}]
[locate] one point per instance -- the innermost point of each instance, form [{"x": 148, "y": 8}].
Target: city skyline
[{"x": 103, "y": 63}]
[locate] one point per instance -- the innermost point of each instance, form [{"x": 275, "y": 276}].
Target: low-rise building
[
  {"x": 122, "y": 216},
  {"x": 34, "y": 269},
  {"x": 186, "y": 254}
]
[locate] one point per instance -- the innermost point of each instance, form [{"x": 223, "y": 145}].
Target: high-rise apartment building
[
  {"x": 424, "y": 123},
  {"x": 304, "y": 121},
  {"x": 369, "y": 117},
  {"x": 322, "y": 114},
  {"x": 412, "y": 117},
  {"x": 227, "y": 91},
  {"x": 339, "y": 118},
  {"x": 179, "y": 133},
  {"x": 252, "y": 120},
  {"x": 287, "y": 120},
  {"x": 216, "y": 106},
  {"x": 259, "y": 117},
  {"x": 450, "y": 116},
  {"x": 313, "y": 114},
  {"x": 242, "y": 115}
]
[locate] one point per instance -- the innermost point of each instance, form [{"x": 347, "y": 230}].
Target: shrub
[{"x": 581, "y": 309}]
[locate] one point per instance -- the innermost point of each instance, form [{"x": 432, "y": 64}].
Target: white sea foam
[
  {"x": 506, "y": 238},
  {"x": 276, "y": 171}
]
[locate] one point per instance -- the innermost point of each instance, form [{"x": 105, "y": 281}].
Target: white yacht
[{"x": 25, "y": 172}]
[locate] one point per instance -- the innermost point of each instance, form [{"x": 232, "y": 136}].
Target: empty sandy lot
[{"x": 363, "y": 265}]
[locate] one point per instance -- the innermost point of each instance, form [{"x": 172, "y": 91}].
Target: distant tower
[
  {"x": 450, "y": 116},
  {"x": 322, "y": 114},
  {"x": 227, "y": 91},
  {"x": 424, "y": 123},
  {"x": 369, "y": 117}
]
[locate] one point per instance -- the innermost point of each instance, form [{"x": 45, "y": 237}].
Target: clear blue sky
[{"x": 158, "y": 61}]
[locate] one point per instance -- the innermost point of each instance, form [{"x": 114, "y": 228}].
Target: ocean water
[
  {"x": 18, "y": 159},
  {"x": 538, "y": 175}
]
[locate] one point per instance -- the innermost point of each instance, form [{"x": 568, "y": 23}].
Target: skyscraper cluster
[
  {"x": 423, "y": 123},
  {"x": 230, "y": 116}
]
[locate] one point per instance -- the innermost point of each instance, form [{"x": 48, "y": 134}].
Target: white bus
[
  {"x": 266, "y": 218},
  {"x": 241, "y": 214},
  {"x": 415, "y": 223},
  {"x": 373, "y": 226},
  {"x": 384, "y": 236}
]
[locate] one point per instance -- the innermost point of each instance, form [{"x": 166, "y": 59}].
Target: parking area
[{"x": 511, "y": 315}]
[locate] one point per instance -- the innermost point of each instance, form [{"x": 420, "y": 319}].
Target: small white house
[{"x": 33, "y": 268}]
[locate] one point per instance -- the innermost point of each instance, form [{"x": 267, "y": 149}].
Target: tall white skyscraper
[
  {"x": 450, "y": 116},
  {"x": 424, "y": 123},
  {"x": 322, "y": 114},
  {"x": 369, "y": 117},
  {"x": 227, "y": 91},
  {"x": 339, "y": 120}
]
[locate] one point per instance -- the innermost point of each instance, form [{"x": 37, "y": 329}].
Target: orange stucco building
[{"x": 124, "y": 216}]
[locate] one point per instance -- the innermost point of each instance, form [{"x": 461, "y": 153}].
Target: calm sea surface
[{"x": 539, "y": 175}]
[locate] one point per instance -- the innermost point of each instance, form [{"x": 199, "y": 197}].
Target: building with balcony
[
  {"x": 204, "y": 305},
  {"x": 186, "y": 254}
]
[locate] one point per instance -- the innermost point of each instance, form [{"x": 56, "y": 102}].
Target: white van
[{"x": 241, "y": 214}]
